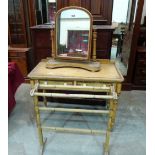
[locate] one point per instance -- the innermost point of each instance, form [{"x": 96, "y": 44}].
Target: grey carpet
[{"x": 128, "y": 137}]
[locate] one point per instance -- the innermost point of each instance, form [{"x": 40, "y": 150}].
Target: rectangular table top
[{"x": 108, "y": 73}]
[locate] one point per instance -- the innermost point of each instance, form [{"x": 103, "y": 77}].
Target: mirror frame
[{"x": 89, "y": 40}]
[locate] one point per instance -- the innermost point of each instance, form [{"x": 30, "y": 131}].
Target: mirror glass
[
  {"x": 123, "y": 33},
  {"x": 72, "y": 34}
]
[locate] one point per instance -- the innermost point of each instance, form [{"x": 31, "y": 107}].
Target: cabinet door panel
[
  {"x": 96, "y": 7},
  {"x": 86, "y": 4},
  {"x": 74, "y": 2},
  {"x": 41, "y": 39},
  {"x": 17, "y": 32},
  {"x": 103, "y": 44},
  {"x": 41, "y": 54},
  {"x": 100, "y": 9}
]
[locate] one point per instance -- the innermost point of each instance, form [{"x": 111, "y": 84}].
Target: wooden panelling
[
  {"x": 136, "y": 30},
  {"x": 100, "y": 9},
  {"x": 41, "y": 39},
  {"x": 96, "y": 7},
  {"x": 21, "y": 15},
  {"x": 86, "y": 4},
  {"x": 41, "y": 54},
  {"x": 31, "y": 9},
  {"x": 139, "y": 77},
  {"x": 41, "y": 42},
  {"x": 74, "y": 3},
  {"x": 103, "y": 44}
]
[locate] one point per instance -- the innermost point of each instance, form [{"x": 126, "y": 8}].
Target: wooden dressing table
[{"x": 107, "y": 81}]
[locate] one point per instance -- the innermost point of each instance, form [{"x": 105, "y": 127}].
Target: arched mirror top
[{"x": 73, "y": 33}]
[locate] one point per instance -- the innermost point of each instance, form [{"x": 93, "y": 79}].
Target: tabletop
[{"x": 108, "y": 73}]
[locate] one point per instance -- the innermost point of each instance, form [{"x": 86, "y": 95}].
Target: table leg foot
[
  {"x": 43, "y": 147},
  {"x": 106, "y": 153}
]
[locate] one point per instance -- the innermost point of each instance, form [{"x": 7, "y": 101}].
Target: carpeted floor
[{"x": 128, "y": 137}]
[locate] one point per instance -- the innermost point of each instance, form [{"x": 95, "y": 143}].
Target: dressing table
[{"x": 72, "y": 69}]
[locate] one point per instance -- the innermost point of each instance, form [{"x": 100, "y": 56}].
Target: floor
[{"x": 128, "y": 137}]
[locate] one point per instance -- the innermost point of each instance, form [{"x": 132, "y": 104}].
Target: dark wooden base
[
  {"x": 138, "y": 87},
  {"x": 131, "y": 86}
]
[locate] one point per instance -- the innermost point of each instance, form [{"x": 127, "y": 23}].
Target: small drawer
[
  {"x": 95, "y": 84},
  {"x": 141, "y": 63},
  {"x": 17, "y": 54},
  {"x": 140, "y": 71},
  {"x": 139, "y": 81},
  {"x": 22, "y": 54},
  {"x": 56, "y": 82},
  {"x": 141, "y": 56},
  {"x": 13, "y": 54}
]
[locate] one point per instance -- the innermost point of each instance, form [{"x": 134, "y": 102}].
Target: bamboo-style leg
[
  {"x": 107, "y": 140},
  {"x": 36, "y": 107},
  {"x": 44, "y": 98},
  {"x": 108, "y": 102},
  {"x": 40, "y": 134},
  {"x": 115, "y": 104},
  {"x": 106, "y": 145},
  {"x": 118, "y": 88},
  {"x": 38, "y": 120}
]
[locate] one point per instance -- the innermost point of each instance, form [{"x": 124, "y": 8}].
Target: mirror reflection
[
  {"x": 72, "y": 36},
  {"x": 122, "y": 36}
]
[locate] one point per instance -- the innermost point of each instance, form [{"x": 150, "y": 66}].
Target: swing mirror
[{"x": 73, "y": 33}]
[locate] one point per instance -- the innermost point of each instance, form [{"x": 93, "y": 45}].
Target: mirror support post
[
  {"x": 53, "y": 43},
  {"x": 94, "y": 44}
]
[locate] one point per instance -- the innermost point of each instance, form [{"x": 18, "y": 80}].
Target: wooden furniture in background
[
  {"x": 100, "y": 9},
  {"x": 51, "y": 11},
  {"x": 21, "y": 15},
  {"x": 104, "y": 40},
  {"x": 102, "y": 17},
  {"x": 41, "y": 41},
  {"x": 126, "y": 47},
  {"x": 139, "y": 76},
  {"x": 136, "y": 75},
  {"x": 22, "y": 57}
]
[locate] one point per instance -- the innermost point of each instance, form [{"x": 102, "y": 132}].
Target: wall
[{"x": 120, "y": 8}]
